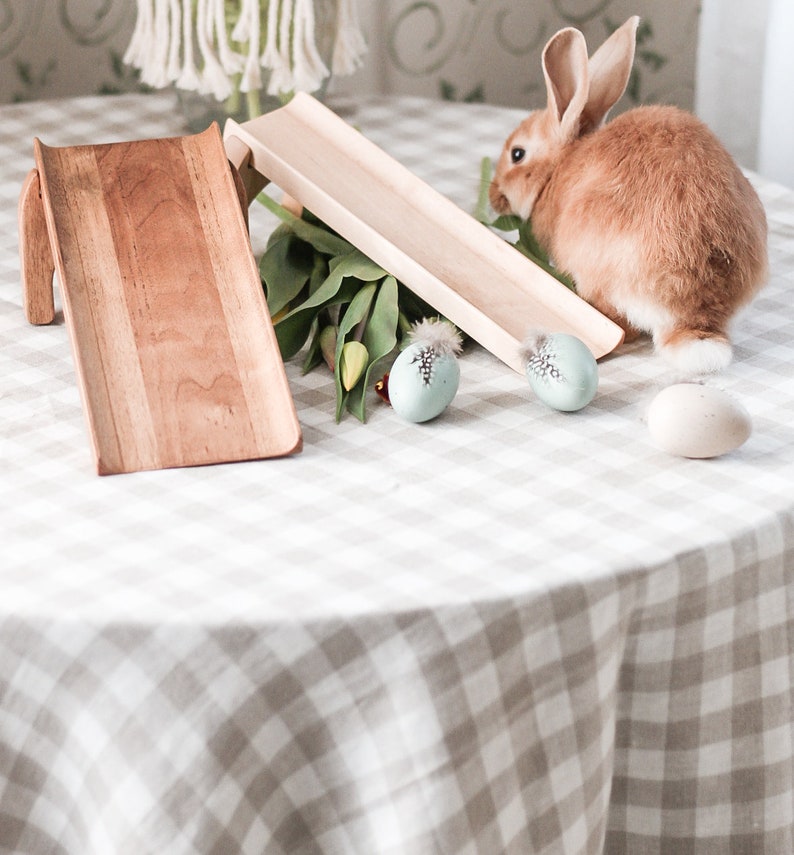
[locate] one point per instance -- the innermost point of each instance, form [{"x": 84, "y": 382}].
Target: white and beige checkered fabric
[{"x": 510, "y": 630}]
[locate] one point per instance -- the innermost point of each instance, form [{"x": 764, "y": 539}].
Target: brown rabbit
[{"x": 649, "y": 214}]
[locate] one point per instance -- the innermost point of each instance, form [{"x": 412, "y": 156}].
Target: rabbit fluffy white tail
[{"x": 694, "y": 356}]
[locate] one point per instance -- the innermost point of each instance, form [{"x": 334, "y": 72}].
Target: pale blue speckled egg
[
  {"x": 562, "y": 372},
  {"x": 423, "y": 382}
]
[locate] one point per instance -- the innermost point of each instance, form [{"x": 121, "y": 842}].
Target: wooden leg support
[{"x": 35, "y": 255}]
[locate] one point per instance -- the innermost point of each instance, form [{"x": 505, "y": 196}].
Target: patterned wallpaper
[
  {"x": 55, "y": 48},
  {"x": 490, "y": 49},
  {"x": 458, "y": 49}
]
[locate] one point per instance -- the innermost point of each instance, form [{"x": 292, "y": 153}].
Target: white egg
[
  {"x": 561, "y": 370},
  {"x": 423, "y": 382},
  {"x": 691, "y": 420}
]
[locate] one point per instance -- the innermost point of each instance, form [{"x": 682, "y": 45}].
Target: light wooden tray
[
  {"x": 174, "y": 350},
  {"x": 456, "y": 264}
]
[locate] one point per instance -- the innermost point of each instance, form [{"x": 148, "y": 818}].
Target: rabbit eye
[{"x": 517, "y": 154}]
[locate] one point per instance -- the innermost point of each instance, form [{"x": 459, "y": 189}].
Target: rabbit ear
[
  {"x": 609, "y": 70},
  {"x": 565, "y": 70}
]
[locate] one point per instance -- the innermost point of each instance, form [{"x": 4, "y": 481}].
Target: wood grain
[
  {"x": 465, "y": 271},
  {"x": 175, "y": 352}
]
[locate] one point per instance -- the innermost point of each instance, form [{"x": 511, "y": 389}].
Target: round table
[{"x": 508, "y": 630}]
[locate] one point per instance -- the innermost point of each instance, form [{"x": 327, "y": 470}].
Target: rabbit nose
[{"x": 498, "y": 199}]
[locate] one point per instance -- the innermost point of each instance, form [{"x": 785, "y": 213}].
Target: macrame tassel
[
  {"x": 189, "y": 77},
  {"x": 214, "y": 79},
  {"x": 174, "y": 51},
  {"x": 276, "y": 55},
  {"x": 308, "y": 68},
  {"x": 142, "y": 35},
  {"x": 154, "y": 48},
  {"x": 231, "y": 61},
  {"x": 349, "y": 44},
  {"x": 158, "y": 62},
  {"x": 168, "y": 33},
  {"x": 247, "y": 29}
]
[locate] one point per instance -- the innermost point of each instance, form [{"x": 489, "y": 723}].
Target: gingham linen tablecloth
[{"x": 510, "y": 630}]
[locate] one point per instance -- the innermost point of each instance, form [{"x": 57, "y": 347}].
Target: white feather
[{"x": 441, "y": 335}]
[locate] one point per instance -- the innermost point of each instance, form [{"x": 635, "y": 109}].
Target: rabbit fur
[{"x": 649, "y": 214}]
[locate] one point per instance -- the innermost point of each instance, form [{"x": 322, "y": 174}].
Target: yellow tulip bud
[{"x": 352, "y": 363}]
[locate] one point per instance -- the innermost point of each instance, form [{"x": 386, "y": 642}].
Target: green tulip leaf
[
  {"x": 285, "y": 269},
  {"x": 293, "y": 330},
  {"x": 281, "y": 230},
  {"x": 320, "y": 238},
  {"x": 380, "y": 334},
  {"x": 314, "y": 355},
  {"x": 356, "y": 265},
  {"x": 506, "y": 223},
  {"x": 319, "y": 273},
  {"x": 380, "y": 339},
  {"x": 339, "y": 286}
]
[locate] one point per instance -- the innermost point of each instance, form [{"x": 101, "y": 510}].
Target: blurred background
[{"x": 728, "y": 60}]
